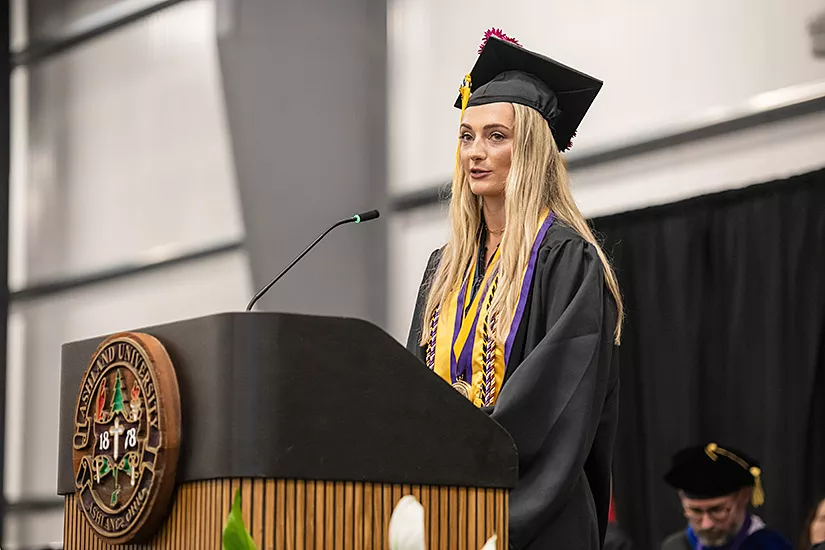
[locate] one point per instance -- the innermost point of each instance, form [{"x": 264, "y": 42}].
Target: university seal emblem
[{"x": 126, "y": 437}]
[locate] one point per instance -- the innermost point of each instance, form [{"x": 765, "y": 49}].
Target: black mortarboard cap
[
  {"x": 506, "y": 72},
  {"x": 711, "y": 471}
]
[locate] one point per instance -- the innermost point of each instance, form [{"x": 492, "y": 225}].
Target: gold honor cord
[{"x": 713, "y": 450}]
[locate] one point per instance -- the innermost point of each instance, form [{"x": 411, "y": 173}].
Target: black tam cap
[
  {"x": 506, "y": 72},
  {"x": 711, "y": 471}
]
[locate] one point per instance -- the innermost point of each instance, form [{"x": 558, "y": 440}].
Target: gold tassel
[
  {"x": 758, "y": 498},
  {"x": 465, "y": 91}
]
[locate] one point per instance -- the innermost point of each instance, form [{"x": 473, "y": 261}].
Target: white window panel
[
  {"x": 413, "y": 237},
  {"x": 121, "y": 150},
  {"x": 658, "y": 76},
  {"x": 41, "y": 529}
]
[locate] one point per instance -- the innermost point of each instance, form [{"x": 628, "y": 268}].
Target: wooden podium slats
[{"x": 308, "y": 515}]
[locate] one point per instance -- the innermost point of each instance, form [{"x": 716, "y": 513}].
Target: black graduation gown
[{"x": 559, "y": 399}]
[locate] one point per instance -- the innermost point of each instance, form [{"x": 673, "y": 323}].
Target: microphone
[{"x": 358, "y": 218}]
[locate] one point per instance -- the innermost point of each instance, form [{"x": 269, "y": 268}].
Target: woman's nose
[{"x": 477, "y": 150}]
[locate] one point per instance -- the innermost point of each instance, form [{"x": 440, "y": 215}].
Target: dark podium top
[{"x": 305, "y": 397}]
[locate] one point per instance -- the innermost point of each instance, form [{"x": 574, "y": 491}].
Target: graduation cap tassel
[{"x": 465, "y": 91}]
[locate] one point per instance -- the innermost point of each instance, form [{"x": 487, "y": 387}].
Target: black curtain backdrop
[{"x": 725, "y": 342}]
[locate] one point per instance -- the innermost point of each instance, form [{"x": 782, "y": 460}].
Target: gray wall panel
[{"x": 305, "y": 85}]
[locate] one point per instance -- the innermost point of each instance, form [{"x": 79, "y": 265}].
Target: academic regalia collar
[{"x": 752, "y": 524}]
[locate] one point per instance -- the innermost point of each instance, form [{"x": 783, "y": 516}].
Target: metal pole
[{"x": 5, "y": 153}]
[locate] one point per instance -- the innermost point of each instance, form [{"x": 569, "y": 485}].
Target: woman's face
[
  {"x": 818, "y": 525},
  {"x": 486, "y": 136}
]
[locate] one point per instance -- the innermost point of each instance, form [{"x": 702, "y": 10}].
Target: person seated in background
[
  {"x": 715, "y": 485},
  {"x": 813, "y": 534}
]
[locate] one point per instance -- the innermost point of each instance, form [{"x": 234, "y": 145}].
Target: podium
[{"x": 322, "y": 423}]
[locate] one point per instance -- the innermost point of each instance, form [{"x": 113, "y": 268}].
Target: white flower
[{"x": 407, "y": 525}]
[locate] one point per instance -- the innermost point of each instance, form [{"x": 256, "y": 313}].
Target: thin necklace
[{"x": 495, "y": 231}]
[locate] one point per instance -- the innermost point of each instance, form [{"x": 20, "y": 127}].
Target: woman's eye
[
  {"x": 466, "y": 137},
  {"x": 496, "y": 136}
]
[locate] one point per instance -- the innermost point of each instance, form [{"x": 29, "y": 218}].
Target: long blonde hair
[{"x": 535, "y": 159}]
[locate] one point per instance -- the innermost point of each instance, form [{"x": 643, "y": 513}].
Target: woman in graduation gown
[{"x": 520, "y": 311}]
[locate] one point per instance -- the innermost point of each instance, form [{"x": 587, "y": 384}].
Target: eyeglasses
[{"x": 716, "y": 513}]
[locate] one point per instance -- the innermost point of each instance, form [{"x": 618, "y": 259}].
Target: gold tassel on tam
[{"x": 758, "y": 499}]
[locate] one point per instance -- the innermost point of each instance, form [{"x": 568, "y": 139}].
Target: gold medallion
[{"x": 463, "y": 388}]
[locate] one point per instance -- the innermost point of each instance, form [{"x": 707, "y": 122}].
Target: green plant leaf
[{"x": 235, "y": 535}]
